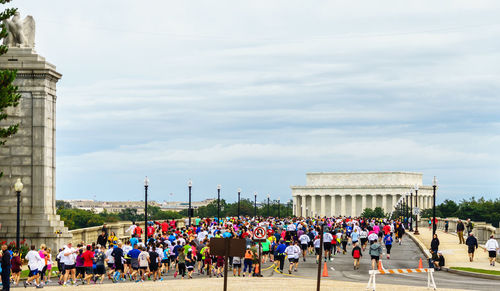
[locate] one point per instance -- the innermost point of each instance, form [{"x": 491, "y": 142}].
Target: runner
[
  {"x": 356, "y": 255},
  {"x": 100, "y": 259},
  {"x": 375, "y": 251},
  {"x": 35, "y": 264},
  {"x": 144, "y": 261},
  {"x": 388, "y": 244},
  {"x": 327, "y": 245},
  {"x": 88, "y": 261},
  {"x": 69, "y": 260},
  {"x": 304, "y": 243}
]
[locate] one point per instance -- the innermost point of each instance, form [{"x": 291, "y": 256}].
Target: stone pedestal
[{"x": 30, "y": 154}]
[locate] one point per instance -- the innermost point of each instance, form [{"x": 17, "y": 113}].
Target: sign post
[
  {"x": 227, "y": 247},
  {"x": 260, "y": 235}
]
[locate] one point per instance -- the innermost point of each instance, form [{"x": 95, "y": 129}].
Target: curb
[{"x": 472, "y": 274}]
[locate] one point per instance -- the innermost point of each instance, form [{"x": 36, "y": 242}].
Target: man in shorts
[
  {"x": 327, "y": 245},
  {"x": 134, "y": 261},
  {"x": 117, "y": 254},
  {"x": 100, "y": 259},
  {"x": 143, "y": 264},
  {"x": 34, "y": 262},
  {"x": 492, "y": 247},
  {"x": 304, "y": 244},
  {"x": 472, "y": 245}
]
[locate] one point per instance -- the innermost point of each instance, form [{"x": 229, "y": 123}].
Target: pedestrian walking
[
  {"x": 472, "y": 245},
  {"x": 491, "y": 247}
]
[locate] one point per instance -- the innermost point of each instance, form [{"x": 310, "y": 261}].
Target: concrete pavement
[{"x": 455, "y": 254}]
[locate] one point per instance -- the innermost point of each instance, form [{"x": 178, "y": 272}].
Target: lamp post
[
  {"x": 434, "y": 186},
  {"x": 18, "y": 187},
  {"x": 411, "y": 210},
  {"x": 255, "y": 205},
  {"x": 146, "y": 185},
  {"x": 190, "y": 185},
  {"x": 218, "y": 203},
  {"x": 268, "y": 197},
  {"x": 279, "y": 207},
  {"x": 239, "y": 193},
  {"x": 416, "y": 206},
  {"x": 406, "y": 211},
  {"x": 403, "y": 212}
]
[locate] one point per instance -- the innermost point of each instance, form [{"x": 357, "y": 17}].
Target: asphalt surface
[{"x": 406, "y": 255}]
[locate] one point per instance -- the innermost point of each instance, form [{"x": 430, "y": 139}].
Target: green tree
[
  {"x": 9, "y": 97},
  {"x": 378, "y": 212},
  {"x": 62, "y": 204}
]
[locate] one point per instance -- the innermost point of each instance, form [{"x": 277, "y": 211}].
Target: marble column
[
  {"x": 363, "y": 202},
  {"x": 374, "y": 201},
  {"x": 394, "y": 201},
  {"x": 353, "y": 205},
  {"x": 295, "y": 210},
  {"x": 342, "y": 205},
  {"x": 384, "y": 202},
  {"x": 332, "y": 205},
  {"x": 313, "y": 205},
  {"x": 303, "y": 212},
  {"x": 323, "y": 205}
]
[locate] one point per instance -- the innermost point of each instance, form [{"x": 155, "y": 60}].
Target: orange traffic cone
[
  {"x": 325, "y": 270},
  {"x": 380, "y": 268},
  {"x": 420, "y": 265},
  {"x": 257, "y": 269}
]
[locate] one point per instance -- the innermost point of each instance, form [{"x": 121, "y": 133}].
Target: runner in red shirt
[{"x": 88, "y": 261}]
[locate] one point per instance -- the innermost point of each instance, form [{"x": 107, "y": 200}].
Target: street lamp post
[
  {"x": 218, "y": 203},
  {"x": 190, "y": 185},
  {"x": 146, "y": 185},
  {"x": 18, "y": 187},
  {"x": 255, "y": 205},
  {"x": 406, "y": 210},
  {"x": 239, "y": 193},
  {"x": 268, "y": 197},
  {"x": 411, "y": 210},
  {"x": 416, "y": 206},
  {"x": 403, "y": 212},
  {"x": 279, "y": 208},
  {"x": 434, "y": 186}
]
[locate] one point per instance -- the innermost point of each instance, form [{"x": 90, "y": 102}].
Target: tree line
[{"x": 477, "y": 210}]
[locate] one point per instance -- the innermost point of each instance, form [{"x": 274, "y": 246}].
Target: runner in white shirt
[
  {"x": 304, "y": 241},
  {"x": 34, "y": 262},
  {"x": 291, "y": 253},
  {"x": 327, "y": 245},
  {"x": 69, "y": 259},
  {"x": 317, "y": 247}
]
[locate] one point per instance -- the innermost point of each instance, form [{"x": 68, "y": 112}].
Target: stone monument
[{"x": 30, "y": 153}]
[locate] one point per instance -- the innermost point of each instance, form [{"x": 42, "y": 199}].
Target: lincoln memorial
[{"x": 347, "y": 194}]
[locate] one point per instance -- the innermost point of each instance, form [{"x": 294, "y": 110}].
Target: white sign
[
  {"x": 416, "y": 211},
  {"x": 259, "y": 233}
]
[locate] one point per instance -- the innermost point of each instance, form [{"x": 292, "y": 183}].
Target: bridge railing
[
  {"x": 90, "y": 234},
  {"x": 481, "y": 230}
]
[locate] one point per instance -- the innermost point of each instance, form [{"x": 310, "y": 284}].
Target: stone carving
[{"x": 21, "y": 32}]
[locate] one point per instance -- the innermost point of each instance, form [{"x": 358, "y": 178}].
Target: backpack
[{"x": 356, "y": 254}]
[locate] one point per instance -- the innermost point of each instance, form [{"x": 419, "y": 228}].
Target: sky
[{"x": 255, "y": 94}]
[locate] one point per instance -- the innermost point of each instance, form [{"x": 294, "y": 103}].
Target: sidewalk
[
  {"x": 247, "y": 284},
  {"x": 455, "y": 254}
]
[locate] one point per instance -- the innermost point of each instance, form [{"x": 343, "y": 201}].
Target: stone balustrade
[
  {"x": 481, "y": 230},
  {"x": 90, "y": 234}
]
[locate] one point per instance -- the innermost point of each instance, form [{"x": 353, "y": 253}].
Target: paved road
[{"x": 404, "y": 256}]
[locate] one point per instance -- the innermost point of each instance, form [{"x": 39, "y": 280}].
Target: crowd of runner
[{"x": 171, "y": 250}]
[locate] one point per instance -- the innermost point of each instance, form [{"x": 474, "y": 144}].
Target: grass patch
[{"x": 473, "y": 270}]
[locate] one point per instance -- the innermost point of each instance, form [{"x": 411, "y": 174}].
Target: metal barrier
[{"x": 430, "y": 276}]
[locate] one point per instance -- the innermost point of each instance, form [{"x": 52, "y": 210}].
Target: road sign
[
  {"x": 416, "y": 211},
  {"x": 260, "y": 233}
]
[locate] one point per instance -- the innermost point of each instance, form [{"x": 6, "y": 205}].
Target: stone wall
[{"x": 482, "y": 230}]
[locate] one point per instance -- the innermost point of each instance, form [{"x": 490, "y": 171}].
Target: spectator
[
  {"x": 435, "y": 243},
  {"x": 492, "y": 247},
  {"x": 470, "y": 226},
  {"x": 460, "y": 232},
  {"x": 102, "y": 239}
]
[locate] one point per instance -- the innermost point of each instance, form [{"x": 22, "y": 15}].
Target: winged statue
[{"x": 21, "y": 32}]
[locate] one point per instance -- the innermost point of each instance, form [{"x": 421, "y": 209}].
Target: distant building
[{"x": 117, "y": 206}]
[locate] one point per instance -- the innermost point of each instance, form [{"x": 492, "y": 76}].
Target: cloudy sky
[{"x": 254, "y": 94}]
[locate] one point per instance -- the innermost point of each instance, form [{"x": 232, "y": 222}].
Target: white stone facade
[
  {"x": 347, "y": 194},
  {"x": 30, "y": 153}
]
